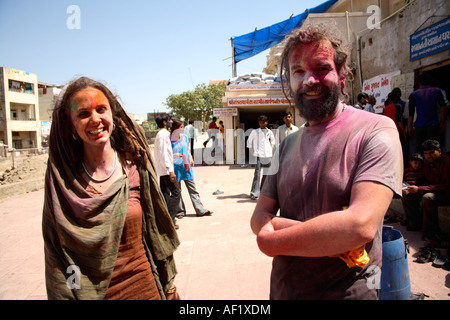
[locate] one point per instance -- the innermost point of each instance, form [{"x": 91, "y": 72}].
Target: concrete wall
[
  {"x": 386, "y": 49},
  {"x": 47, "y": 102}
]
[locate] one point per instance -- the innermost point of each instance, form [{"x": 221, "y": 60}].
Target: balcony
[{"x": 21, "y": 87}]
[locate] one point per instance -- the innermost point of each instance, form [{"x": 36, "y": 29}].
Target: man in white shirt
[
  {"x": 260, "y": 142},
  {"x": 287, "y": 128},
  {"x": 189, "y": 131},
  {"x": 164, "y": 166}
]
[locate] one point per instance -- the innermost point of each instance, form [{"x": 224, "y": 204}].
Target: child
[
  {"x": 414, "y": 174},
  {"x": 411, "y": 176}
]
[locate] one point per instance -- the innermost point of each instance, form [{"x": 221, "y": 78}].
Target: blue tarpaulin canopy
[{"x": 250, "y": 44}]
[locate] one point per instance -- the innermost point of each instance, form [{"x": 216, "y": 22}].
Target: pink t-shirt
[{"x": 318, "y": 166}]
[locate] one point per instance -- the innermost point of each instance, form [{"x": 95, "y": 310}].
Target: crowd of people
[
  {"x": 421, "y": 125},
  {"x": 110, "y": 208}
]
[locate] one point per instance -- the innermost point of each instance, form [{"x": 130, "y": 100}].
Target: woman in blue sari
[{"x": 183, "y": 163}]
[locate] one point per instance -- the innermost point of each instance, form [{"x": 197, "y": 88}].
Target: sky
[{"x": 144, "y": 51}]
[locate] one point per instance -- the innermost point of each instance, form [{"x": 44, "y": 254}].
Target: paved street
[{"x": 218, "y": 257}]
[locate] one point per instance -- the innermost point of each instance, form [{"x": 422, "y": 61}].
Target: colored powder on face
[
  {"x": 88, "y": 98},
  {"x": 74, "y": 105}
]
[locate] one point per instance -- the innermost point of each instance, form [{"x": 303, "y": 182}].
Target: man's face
[
  {"x": 263, "y": 123},
  {"x": 432, "y": 155},
  {"x": 287, "y": 119},
  {"x": 167, "y": 124},
  {"x": 314, "y": 79}
]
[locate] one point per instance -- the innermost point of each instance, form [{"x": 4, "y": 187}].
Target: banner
[
  {"x": 45, "y": 128},
  {"x": 379, "y": 87}
]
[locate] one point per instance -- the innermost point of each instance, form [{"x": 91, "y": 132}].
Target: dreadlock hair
[{"x": 310, "y": 33}]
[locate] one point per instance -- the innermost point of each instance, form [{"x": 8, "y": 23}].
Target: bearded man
[{"x": 343, "y": 158}]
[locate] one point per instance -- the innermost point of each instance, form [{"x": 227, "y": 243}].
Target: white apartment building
[{"x": 19, "y": 109}]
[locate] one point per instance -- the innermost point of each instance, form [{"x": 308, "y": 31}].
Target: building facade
[
  {"x": 412, "y": 40},
  {"x": 19, "y": 109}
]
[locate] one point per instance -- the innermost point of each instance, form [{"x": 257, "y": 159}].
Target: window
[{"x": 20, "y": 86}]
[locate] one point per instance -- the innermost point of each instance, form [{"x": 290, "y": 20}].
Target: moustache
[{"x": 307, "y": 89}]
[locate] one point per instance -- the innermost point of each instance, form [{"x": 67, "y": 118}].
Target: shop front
[{"x": 242, "y": 105}]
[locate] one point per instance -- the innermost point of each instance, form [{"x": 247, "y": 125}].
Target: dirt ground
[{"x": 25, "y": 168}]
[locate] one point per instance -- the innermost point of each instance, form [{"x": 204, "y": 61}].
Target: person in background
[
  {"x": 213, "y": 129},
  {"x": 221, "y": 136},
  {"x": 393, "y": 111},
  {"x": 429, "y": 103},
  {"x": 170, "y": 187},
  {"x": 104, "y": 218},
  {"x": 370, "y": 105},
  {"x": 189, "y": 131},
  {"x": 287, "y": 128},
  {"x": 183, "y": 163},
  {"x": 413, "y": 175},
  {"x": 433, "y": 193},
  {"x": 398, "y": 98},
  {"x": 362, "y": 100},
  {"x": 261, "y": 143}
]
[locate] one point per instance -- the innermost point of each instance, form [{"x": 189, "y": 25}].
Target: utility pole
[{"x": 233, "y": 63}]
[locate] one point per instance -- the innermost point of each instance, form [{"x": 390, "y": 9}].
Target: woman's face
[
  {"x": 92, "y": 116},
  {"x": 176, "y": 133}
]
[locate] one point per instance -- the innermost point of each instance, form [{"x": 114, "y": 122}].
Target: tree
[{"x": 197, "y": 104}]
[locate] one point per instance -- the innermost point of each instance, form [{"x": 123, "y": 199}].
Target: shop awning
[{"x": 250, "y": 44}]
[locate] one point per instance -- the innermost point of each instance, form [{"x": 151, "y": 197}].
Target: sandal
[
  {"x": 206, "y": 213},
  {"x": 418, "y": 296},
  {"x": 428, "y": 255},
  {"x": 428, "y": 248},
  {"x": 440, "y": 261}
]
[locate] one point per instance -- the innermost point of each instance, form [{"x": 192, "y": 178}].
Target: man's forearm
[
  {"x": 330, "y": 233},
  {"x": 282, "y": 223},
  {"x": 326, "y": 235}
]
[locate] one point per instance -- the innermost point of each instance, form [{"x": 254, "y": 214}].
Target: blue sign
[{"x": 431, "y": 40}]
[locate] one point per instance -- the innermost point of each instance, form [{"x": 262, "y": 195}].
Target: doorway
[{"x": 248, "y": 119}]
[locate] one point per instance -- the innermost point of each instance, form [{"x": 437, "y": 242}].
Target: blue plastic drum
[{"x": 395, "y": 284}]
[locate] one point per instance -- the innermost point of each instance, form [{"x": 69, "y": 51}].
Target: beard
[{"x": 317, "y": 109}]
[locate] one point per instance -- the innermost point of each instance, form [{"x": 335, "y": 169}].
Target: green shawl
[{"x": 84, "y": 230}]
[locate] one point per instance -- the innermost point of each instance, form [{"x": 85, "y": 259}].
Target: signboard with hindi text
[
  {"x": 257, "y": 101},
  {"x": 225, "y": 112},
  {"x": 431, "y": 40}
]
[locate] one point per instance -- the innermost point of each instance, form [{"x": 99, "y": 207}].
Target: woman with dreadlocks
[{"x": 106, "y": 228}]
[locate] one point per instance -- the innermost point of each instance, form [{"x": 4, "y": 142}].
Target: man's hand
[
  {"x": 172, "y": 176},
  {"x": 412, "y": 189}
]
